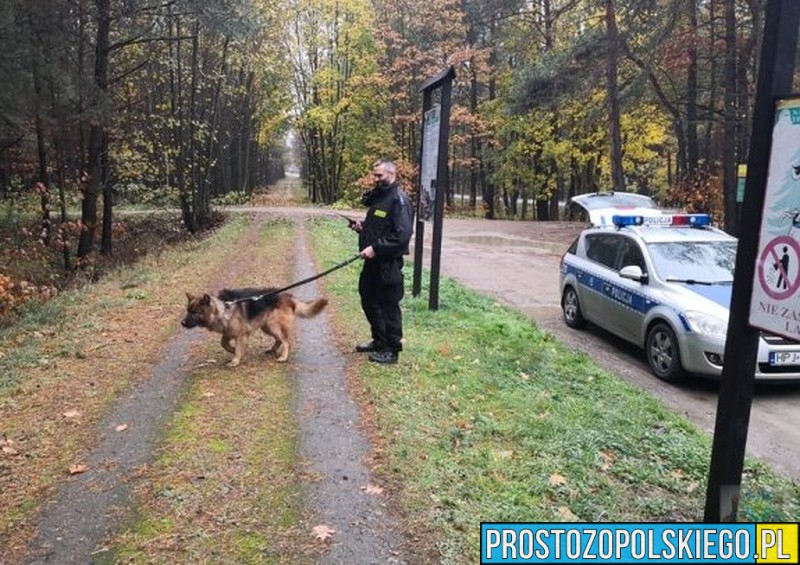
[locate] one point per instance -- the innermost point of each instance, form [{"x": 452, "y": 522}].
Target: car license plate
[{"x": 781, "y": 358}]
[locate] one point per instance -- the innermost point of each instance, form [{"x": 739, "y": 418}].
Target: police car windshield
[{"x": 703, "y": 261}]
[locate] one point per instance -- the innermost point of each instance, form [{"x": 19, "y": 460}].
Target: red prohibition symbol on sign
[{"x": 782, "y": 254}]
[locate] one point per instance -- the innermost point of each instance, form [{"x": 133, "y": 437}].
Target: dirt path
[
  {"x": 334, "y": 444},
  {"x": 89, "y": 507},
  {"x": 73, "y": 526}
]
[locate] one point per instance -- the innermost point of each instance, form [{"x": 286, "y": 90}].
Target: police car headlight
[{"x": 705, "y": 324}]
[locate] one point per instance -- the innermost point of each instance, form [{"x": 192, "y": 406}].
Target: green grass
[{"x": 487, "y": 418}]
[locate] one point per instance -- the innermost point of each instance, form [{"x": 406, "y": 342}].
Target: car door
[
  {"x": 601, "y": 254},
  {"x": 627, "y": 296}
]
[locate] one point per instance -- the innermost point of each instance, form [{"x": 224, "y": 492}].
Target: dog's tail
[{"x": 309, "y": 309}]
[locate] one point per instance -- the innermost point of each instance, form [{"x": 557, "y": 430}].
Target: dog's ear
[
  {"x": 206, "y": 300},
  {"x": 189, "y": 296}
]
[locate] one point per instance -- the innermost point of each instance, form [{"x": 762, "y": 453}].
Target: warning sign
[{"x": 775, "y": 305}]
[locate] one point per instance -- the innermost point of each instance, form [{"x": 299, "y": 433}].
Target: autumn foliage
[{"x": 700, "y": 192}]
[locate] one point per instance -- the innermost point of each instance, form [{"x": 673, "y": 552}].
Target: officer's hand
[
  {"x": 368, "y": 253},
  {"x": 355, "y": 225}
]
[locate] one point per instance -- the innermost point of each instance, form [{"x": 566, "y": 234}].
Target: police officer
[{"x": 383, "y": 238}]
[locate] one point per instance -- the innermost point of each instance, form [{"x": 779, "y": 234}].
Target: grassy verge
[{"x": 486, "y": 418}]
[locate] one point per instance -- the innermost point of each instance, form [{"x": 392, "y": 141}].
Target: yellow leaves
[
  {"x": 566, "y": 515},
  {"x": 71, "y": 414},
  {"x": 503, "y": 454},
  {"x": 557, "y": 480},
  {"x": 372, "y": 489},
  {"x": 7, "y": 447},
  {"x": 322, "y": 532},
  {"x": 677, "y": 474},
  {"x": 77, "y": 469},
  {"x": 608, "y": 458}
]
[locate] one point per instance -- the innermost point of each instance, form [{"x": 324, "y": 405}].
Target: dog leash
[{"x": 298, "y": 283}]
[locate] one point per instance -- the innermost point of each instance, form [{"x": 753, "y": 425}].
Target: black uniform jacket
[{"x": 389, "y": 222}]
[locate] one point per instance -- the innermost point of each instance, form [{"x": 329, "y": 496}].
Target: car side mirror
[{"x": 634, "y": 273}]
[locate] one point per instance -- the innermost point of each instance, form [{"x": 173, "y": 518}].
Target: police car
[
  {"x": 663, "y": 282},
  {"x": 597, "y": 208}
]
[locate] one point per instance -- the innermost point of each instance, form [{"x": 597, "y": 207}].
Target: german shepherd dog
[{"x": 235, "y": 318}]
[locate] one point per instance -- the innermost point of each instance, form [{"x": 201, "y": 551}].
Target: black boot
[{"x": 383, "y": 357}]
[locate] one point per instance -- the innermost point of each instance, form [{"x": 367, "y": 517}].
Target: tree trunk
[
  {"x": 41, "y": 147},
  {"x": 97, "y": 133},
  {"x": 612, "y": 88},
  {"x": 729, "y": 164},
  {"x": 692, "y": 150},
  {"x": 474, "y": 145}
]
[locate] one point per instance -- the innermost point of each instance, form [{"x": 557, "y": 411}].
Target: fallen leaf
[
  {"x": 608, "y": 458},
  {"x": 557, "y": 480},
  {"x": 323, "y": 532},
  {"x": 71, "y": 414},
  {"x": 677, "y": 474},
  {"x": 372, "y": 489},
  {"x": 78, "y": 469},
  {"x": 121, "y": 427},
  {"x": 10, "y": 450},
  {"x": 566, "y": 515},
  {"x": 208, "y": 395}
]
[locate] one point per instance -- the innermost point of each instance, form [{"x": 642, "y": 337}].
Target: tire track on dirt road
[
  {"x": 333, "y": 442},
  {"x": 90, "y": 506}
]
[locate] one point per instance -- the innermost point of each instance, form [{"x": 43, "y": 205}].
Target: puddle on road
[{"x": 497, "y": 241}]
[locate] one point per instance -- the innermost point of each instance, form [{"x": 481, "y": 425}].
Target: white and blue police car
[{"x": 663, "y": 282}]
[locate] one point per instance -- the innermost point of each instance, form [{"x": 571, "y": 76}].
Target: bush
[{"x": 235, "y": 198}]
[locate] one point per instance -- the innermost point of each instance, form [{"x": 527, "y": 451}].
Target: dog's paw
[{"x": 233, "y": 363}]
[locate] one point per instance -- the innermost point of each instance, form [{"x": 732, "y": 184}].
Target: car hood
[{"x": 712, "y": 298}]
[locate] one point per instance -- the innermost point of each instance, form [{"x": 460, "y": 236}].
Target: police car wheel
[
  {"x": 663, "y": 354},
  {"x": 571, "y": 307}
]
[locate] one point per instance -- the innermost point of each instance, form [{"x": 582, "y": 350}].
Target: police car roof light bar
[
  {"x": 621, "y": 221},
  {"x": 664, "y": 220},
  {"x": 695, "y": 220}
]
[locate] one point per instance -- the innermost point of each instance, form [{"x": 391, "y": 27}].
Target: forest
[{"x": 187, "y": 103}]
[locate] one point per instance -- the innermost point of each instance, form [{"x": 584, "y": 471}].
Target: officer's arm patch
[{"x": 380, "y": 213}]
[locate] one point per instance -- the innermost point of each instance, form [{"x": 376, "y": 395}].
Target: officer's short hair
[{"x": 386, "y": 164}]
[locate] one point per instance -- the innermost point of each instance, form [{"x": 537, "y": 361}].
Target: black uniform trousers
[{"x": 381, "y": 288}]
